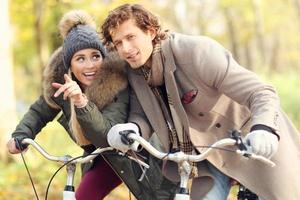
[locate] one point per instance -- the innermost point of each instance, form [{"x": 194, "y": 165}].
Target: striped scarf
[{"x": 154, "y": 78}]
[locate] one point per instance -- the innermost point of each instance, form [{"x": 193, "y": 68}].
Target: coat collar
[{"x": 109, "y": 81}]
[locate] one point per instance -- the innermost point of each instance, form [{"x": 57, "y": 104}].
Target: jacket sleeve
[
  {"x": 217, "y": 68},
  {"x": 96, "y": 123},
  {"x": 38, "y": 115}
]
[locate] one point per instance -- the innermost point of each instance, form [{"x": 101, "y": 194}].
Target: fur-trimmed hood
[{"x": 110, "y": 79}]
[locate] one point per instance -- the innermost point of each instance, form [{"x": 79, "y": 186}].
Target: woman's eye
[
  {"x": 80, "y": 59},
  {"x": 96, "y": 57}
]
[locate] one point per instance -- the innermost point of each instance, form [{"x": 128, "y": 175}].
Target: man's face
[{"x": 133, "y": 44}]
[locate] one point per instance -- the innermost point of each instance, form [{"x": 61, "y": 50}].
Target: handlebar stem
[
  {"x": 71, "y": 168},
  {"x": 185, "y": 170}
]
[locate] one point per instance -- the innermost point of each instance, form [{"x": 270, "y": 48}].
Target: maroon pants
[{"x": 97, "y": 182}]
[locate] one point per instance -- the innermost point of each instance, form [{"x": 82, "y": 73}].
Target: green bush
[{"x": 288, "y": 88}]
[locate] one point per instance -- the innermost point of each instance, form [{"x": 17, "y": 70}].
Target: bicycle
[
  {"x": 70, "y": 163},
  {"x": 182, "y": 159}
]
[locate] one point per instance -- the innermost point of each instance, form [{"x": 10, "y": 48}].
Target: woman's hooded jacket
[{"x": 107, "y": 106}]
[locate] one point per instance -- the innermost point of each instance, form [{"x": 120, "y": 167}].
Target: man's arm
[
  {"x": 138, "y": 116},
  {"x": 220, "y": 71}
]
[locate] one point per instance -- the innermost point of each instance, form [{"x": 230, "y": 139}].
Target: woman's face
[{"x": 84, "y": 65}]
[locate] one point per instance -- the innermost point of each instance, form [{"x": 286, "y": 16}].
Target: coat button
[
  {"x": 218, "y": 125},
  {"x": 201, "y": 114}
]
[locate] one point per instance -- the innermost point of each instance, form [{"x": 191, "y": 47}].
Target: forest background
[{"x": 263, "y": 36}]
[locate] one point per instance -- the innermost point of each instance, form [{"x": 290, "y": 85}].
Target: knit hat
[{"x": 79, "y": 32}]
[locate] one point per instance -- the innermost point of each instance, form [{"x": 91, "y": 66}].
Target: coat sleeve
[
  {"x": 96, "y": 123},
  {"x": 217, "y": 69},
  {"x": 38, "y": 115},
  {"x": 138, "y": 116}
]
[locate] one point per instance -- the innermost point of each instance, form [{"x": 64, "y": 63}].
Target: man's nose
[{"x": 126, "y": 47}]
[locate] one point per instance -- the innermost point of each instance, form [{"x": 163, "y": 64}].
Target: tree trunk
[
  {"x": 297, "y": 6},
  {"x": 259, "y": 30},
  {"x": 232, "y": 34},
  {"x": 38, "y": 10},
  {"x": 248, "y": 55},
  {"x": 8, "y": 101},
  {"x": 275, "y": 54}
]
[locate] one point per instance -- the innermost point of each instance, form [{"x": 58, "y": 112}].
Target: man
[{"x": 190, "y": 91}]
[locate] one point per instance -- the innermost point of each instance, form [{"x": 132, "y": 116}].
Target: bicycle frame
[{"x": 184, "y": 160}]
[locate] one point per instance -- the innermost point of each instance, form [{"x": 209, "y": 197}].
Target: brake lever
[
  {"x": 19, "y": 144},
  {"x": 124, "y": 137},
  {"x": 236, "y": 135},
  {"x": 134, "y": 159}
]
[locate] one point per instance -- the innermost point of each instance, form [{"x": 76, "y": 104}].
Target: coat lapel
[
  {"x": 172, "y": 89},
  {"x": 151, "y": 107}
]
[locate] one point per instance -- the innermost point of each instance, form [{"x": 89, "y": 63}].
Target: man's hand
[
  {"x": 114, "y": 138},
  {"x": 262, "y": 143},
  {"x": 71, "y": 90}
]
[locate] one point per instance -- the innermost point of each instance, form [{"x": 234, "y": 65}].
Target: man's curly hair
[{"x": 143, "y": 18}]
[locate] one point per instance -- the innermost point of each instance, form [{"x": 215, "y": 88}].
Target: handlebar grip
[
  {"x": 19, "y": 144},
  {"x": 257, "y": 157}
]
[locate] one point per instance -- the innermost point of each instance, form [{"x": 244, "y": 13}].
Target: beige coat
[{"x": 228, "y": 96}]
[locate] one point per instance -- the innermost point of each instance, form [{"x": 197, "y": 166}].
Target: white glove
[
  {"x": 114, "y": 138},
  {"x": 262, "y": 142}
]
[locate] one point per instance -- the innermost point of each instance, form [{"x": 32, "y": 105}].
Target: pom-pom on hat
[{"x": 78, "y": 30}]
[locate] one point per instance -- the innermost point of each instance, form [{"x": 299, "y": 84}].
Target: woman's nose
[{"x": 91, "y": 63}]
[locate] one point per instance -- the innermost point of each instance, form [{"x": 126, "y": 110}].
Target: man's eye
[
  {"x": 117, "y": 44},
  {"x": 130, "y": 37}
]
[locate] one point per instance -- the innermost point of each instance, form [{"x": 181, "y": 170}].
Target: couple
[{"x": 193, "y": 84}]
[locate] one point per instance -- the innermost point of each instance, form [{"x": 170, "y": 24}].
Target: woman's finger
[
  {"x": 67, "y": 78},
  {"x": 62, "y": 89},
  {"x": 75, "y": 94},
  {"x": 56, "y": 85},
  {"x": 70, "y": 90}
]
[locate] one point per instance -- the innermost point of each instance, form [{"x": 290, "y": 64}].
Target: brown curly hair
[{"x": 144, "y": 20}]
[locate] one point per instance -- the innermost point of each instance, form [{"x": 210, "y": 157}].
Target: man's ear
[{"x": 152, "y": 32}]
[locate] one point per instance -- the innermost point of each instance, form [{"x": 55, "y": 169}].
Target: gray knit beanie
[{"x": 78, "y": 30}]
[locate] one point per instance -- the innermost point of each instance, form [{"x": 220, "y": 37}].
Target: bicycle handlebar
[
  {"x": 180, "y": 156},
  {"x": 65, "y": 158}
]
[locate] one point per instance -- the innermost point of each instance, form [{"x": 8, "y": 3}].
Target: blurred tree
[
  {"x": 38, "y": 6},
  {"x": 297, "y": 6},
  {"x": 25, "y": 51},
  {"x": 8, "y": 102},
  {"x": 232, "y": 31},
  {"x": 259, "y": 29}
]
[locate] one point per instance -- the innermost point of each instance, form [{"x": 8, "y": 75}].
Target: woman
[{"x": 92, "y": 96}]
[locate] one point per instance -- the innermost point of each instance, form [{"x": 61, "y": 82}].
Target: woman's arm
[
  {"x": 38, "y": 115},
  {"x": 96, "y": 123}
]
